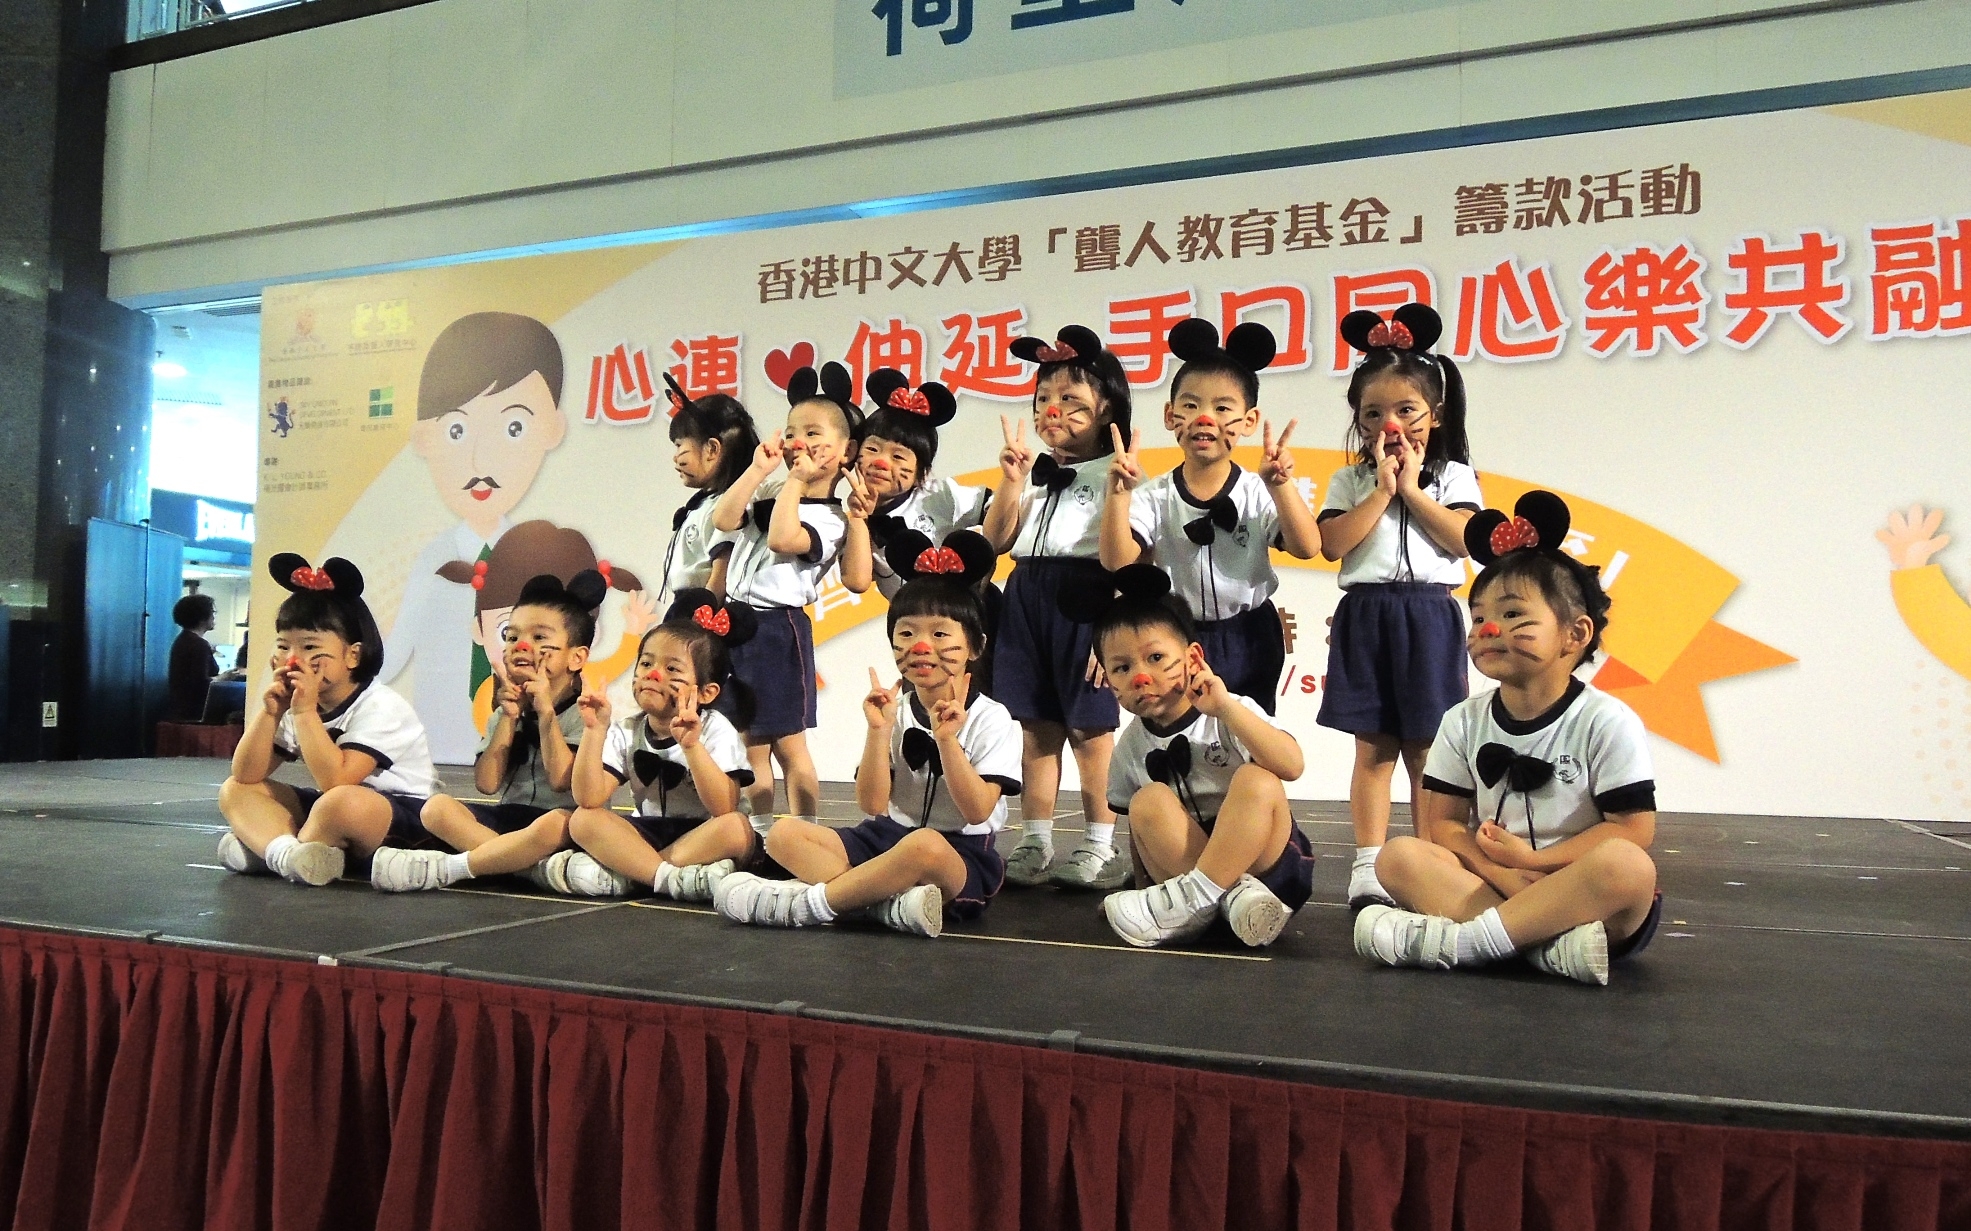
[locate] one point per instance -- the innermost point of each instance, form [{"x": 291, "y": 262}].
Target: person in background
[{"x": 192, "y": 662}]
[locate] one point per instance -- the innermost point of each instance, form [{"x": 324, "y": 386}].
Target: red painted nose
[
  {"x": 293, "y": 661},
  {"x": 524, "y": 647},
  {"x": 1205, "y": 421},
  {"x": 1052, "y": 412},
  {"x": 1488, "y": 629},
  {"x": 1140, "y": 680},
  {"x": 1392, "y": 428},
  {"x": 655, "y": 675},
  {"x": 922, "y": 647}
]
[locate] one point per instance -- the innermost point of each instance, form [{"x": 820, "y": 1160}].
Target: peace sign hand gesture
[
  {"x": 1125, "y": 472},
  {"x": 861, "y": 502},
  {"x": 880, "y": 706},
  {"x": 595, "y": 707},
  {"x": 1208, "y": 691},
  {"x": 948, "y": 715},
  {"x": 686, "y": 725},
  {"x": 1016, "y": 459},
  {"x": 1275, "y": 459}
]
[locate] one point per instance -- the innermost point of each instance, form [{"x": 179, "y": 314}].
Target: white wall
[{"x": 466, "y": 126}]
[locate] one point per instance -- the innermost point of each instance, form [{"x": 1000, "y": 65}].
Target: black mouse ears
[
  {"x": 966, "y": 557},
  {"x": 1412, "y": 327},
  {"x": 680, "y": 403},
  {"x": 585, "y": 589},
  {"x": 1133, "y": 585},
  {"x": 732, "y": 623},
  {"x": 336, "y": 575},
  {"x": 1073, "y": 344},
  {"x": 890, "y": 390},
  {"x": 1539, "y": 522},
  {"x": 832, "y": 382},
  {"x": 1250, "y": 345}
]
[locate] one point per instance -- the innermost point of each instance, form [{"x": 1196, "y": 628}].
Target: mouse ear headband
[
  {"x": 1539, "y": 522},
  {"x": 966, "y": 558},
  {"x": 1249, "y": 346},
  {"x": 1134, "y": 586},
  {"x": 890, "y": 390},
  {"x": 732, "y": 623},
  {"x": 1075, "y": 344},
  {"x": 1414, "y": 327},
  {"x": 832, "y": 383},
  {"x": 680, "y": 403},
  {"x": 585, "y": 589},
  {"x": 336, "y": 576}
]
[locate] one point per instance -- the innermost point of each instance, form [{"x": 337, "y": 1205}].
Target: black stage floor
[{"x": 1809, "y": 973}]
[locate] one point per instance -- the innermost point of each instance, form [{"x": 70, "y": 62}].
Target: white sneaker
[
  {"x": 1404, "y": 938},
  {"x": 1159, "y": 915},
  {"x": 1579, "y": 953},
  {"x": 548, "y": 874},
  {"x": 315, "y": 863},
  {"x": 1092, "y": 867},
  {"x": 919, "y": 910},
  {"x": 1027, "y": 865},
  {"x": 697, "y": 882},
  {"x": 236, "y": 858},
  {"x": 394, "y": 870},
  {"x": 587, "y": 877},
  {"x": 1365, "y": 890},
  {"x": 745, "y": 898},
  {"x": 1256, "y": 913}
]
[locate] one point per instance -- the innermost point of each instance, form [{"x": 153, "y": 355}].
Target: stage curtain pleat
[{"x": 157, "y": 1088}]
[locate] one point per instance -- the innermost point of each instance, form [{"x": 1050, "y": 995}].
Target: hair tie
[
  {"x": 911, "y": 400},
  {"x": 1392, "y": 334},
  {"x": 719, "y": 622},
  {"x": 939, "y": 560},
  {"x": 1057, "y": 353},
  {"x": 311, "y": 579}
]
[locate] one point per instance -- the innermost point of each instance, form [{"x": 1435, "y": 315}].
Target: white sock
[
  {"x": 456, "y": 868},
  {"x": 1044, "y": 828},
  {"x": 664, "y": 880},
  {"x": 1484, "y": 940},
  {"x": 818, "y": 903},
  {"x": 1103, "y": 836},
  {"x": 1206, "y": 887},
  {"x": 1365, "y": 856},
  {"x": 278, "y": 851}
]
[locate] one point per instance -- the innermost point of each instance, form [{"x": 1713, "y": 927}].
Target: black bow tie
[
  {"x": 883, "y": 527},
  {"x": 1167, "y": 765},
  {"x": 677, "y": 518},
  {"x": 1220, "y": 512},
  {"x": 762, "y": 514},
  {"x": 1051, "y": 475},
  {"x": 651, "y": 767},
  {"x": 1522, "y": 773},
  {"x": 919, "y": 749}
]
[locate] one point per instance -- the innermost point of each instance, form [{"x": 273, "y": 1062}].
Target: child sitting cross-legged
[
  {"x": 1538, "y": 800},
  {"x": 685, "y": 763},
  {"x": 937, "y": 765},
  {"x": 1201, "y": 775}
]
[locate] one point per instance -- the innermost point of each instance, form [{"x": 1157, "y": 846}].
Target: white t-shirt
[
  {"x": 1216, "y": 754},
  {"x": 630, "y": 752},
  {"x": 377, "y": 722},
  {"x": 527, "y": 781},
  {"x": 935, "y": 510},
  {"x": 1068, "y": 522},
  {"x": 688, "y": 560},
  {"x": 991, "y": 740},
  {"x": 1595, "y": 743},
  {"x": 763, "y": 577},
  {"x": 1232, "y": 573},
  {"x": 1380, "y": 556}
]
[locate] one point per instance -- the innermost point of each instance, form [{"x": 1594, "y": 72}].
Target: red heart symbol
[{"x": 782, "y": 364}]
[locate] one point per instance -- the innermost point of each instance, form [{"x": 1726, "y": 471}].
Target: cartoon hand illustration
[
  {"x": 638, "y": 614},
  {"x": 1912, "y": 537}
]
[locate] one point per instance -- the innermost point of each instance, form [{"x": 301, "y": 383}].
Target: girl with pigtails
[{"x": 1395, "y": 520}]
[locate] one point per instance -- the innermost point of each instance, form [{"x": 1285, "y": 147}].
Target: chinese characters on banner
[{"x": 952, "y": 19}]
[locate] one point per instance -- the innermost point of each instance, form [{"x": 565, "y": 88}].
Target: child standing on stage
[
  {"x": 936, "y": 770},
  {"x": 1201, "y": 774},
  {"x": 684, "y": 760},
  {"x": 715, "y": 442},
  {"x": 891, "y": 488},
  {"x": 780, "y": 546},
  {"x": 1538, "y": 800},
  {"x": 527, "y": 757},
  {"x": 1209, "y": 524},
  {"x": 1048, "y": 510},
  {"x": 361, "y": 742},
  {"x": 1396, "y": 522}
]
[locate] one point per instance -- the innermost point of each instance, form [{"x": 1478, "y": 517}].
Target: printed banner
[{"x": 1734, "y": 345}]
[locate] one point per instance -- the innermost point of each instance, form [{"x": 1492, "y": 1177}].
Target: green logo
[{"x": 382, "y": 402}]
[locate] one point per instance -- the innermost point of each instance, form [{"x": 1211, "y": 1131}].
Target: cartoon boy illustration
[
  {"x": 1937, "y": 615},
  {"x": 488, "y": 412},
  {"x": 494, "y": 583}
]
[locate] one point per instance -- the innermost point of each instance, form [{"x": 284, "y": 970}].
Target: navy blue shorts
[
  {"x": 662, "y": 832},
  {"x": 1396, "y": 661},
  {"x": 1638, "y": 940},
  {"x": 406, "y": 828},
  {"x": 985, "y": 871},
  {"x": 1248, "y": 651},
  {"x": 1040, "y": 673},
  {"x": 505, "y": 818},
  {"x": 1291, "y": 878},
  {"x": 778, "y": 665}
]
